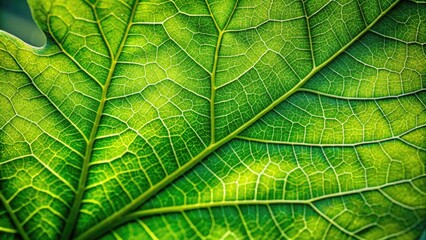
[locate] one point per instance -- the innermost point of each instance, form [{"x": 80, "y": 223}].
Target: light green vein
[
  {"x": 70, "y": 57},
  {"x": 244, "y": 222},
  {"x": 236, "y": 203},
  {"x": 330, "y": 220},
  {"x": 354, "y": 144},
  {"x": 8, "y": 230},
  {"x": 311, "y": 46},
  {"x": 307, "y": 90},
  {"x": 53, "y": 104},
  {"x": 213, "y": 86},
  {"x": 70, "y": 225},
  {"x": 14, "y": 218}
]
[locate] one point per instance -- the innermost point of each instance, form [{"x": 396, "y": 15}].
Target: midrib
[
  {"x": 75, "y": 209},
  {"x": 122, "y": 215}
]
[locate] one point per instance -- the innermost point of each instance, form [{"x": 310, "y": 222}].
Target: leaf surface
[{"x": 215, "y": 119}]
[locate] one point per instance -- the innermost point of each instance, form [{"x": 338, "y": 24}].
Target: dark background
[{"x": 15, "y": 18}]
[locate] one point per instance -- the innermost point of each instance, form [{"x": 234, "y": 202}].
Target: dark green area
[{"x": 15, "y": 18}]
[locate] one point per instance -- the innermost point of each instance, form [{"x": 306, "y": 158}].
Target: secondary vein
[
  {"x": 14, "y": 218},
  {"x": 172, "y": 209},
  {"x": 75, "y": 209},
  {"x": 213, "y": 87}
]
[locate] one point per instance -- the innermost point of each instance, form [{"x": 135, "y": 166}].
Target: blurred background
[{"x": 15, "y": 18}]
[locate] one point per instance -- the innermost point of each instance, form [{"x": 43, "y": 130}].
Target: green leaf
[{"x": 215, "y": 119}]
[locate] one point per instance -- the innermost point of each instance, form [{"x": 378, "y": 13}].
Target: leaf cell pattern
[{"x": 215, "y": 119}]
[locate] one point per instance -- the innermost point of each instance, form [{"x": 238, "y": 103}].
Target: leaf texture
[{"x": 215, "y": 120}]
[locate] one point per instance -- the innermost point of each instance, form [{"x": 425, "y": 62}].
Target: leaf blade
[{"x": 155, "y": 130}]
